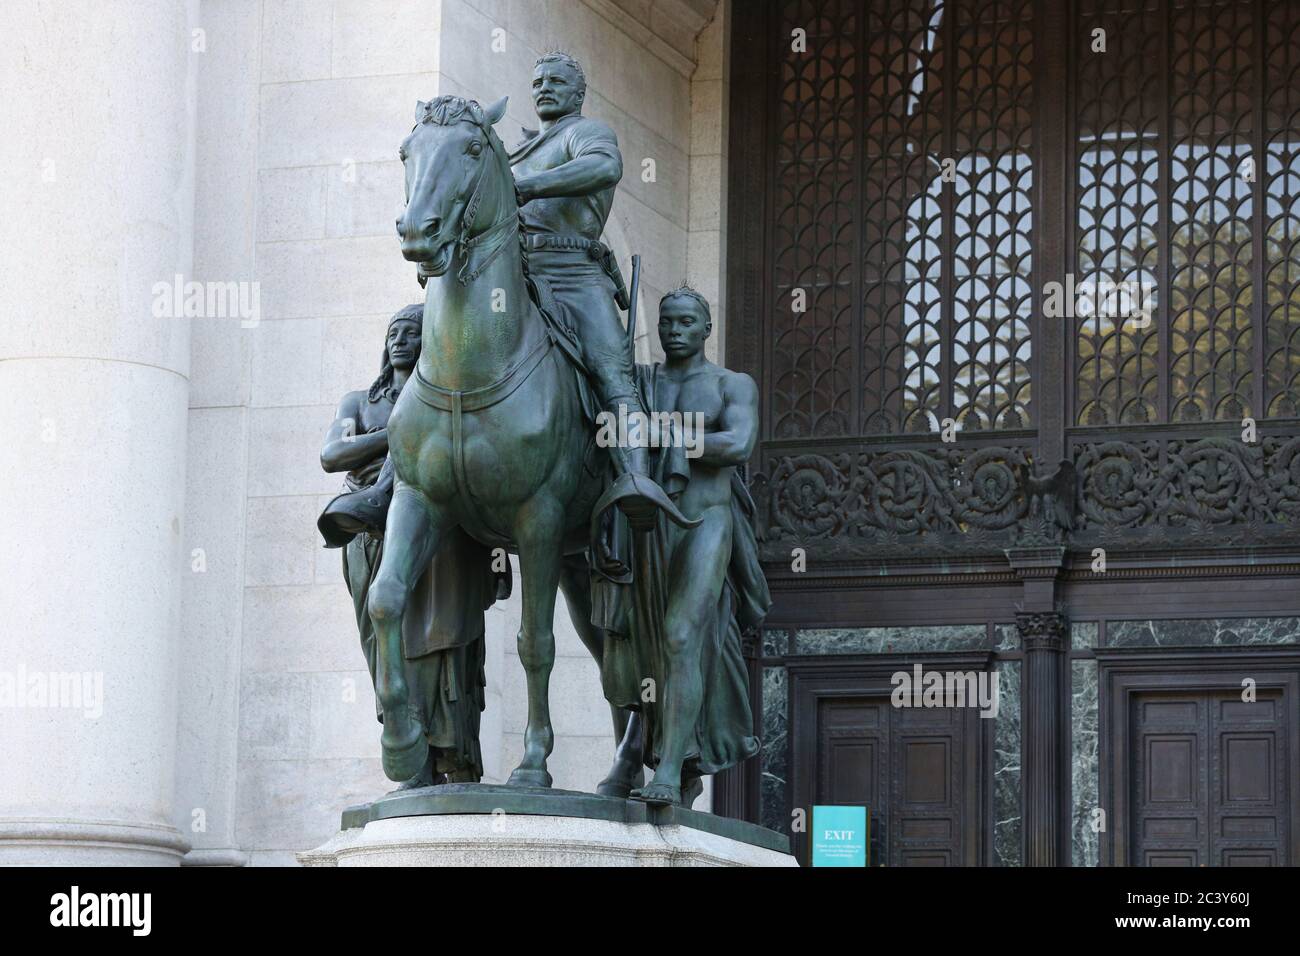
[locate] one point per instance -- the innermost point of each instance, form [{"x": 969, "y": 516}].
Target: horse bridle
[{"x": 463, "y": 243}]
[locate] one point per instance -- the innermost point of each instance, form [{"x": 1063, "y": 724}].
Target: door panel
[
  {"x": 1249, "y": 781},
  {"x": 1209, "y": 779},
  {"x": 919, "y": 770}
]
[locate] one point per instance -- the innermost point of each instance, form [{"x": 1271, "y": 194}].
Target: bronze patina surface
[{"x": 494, "y": 428}]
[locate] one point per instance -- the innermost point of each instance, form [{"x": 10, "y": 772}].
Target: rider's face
[
  {"x": 682, "y": 326},
  {"x": 556, "y": 91},
  {"x": 404, "y": 344}
]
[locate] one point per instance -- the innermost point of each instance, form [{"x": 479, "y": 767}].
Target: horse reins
[{"x": 471, "y": 213}]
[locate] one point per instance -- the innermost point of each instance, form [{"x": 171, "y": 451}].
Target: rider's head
[
  {"x": 684, "y": 322},
  {"x": 401, "y": 347},
  {"x": 559, "y": 86}
]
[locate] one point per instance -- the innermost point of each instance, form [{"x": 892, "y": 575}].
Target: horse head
[{"x": 458, "y": 181}]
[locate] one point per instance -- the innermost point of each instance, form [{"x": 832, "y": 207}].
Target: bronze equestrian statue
[
  {"x": 490, "y": 434},
  {"x": 492, "y": 444}
]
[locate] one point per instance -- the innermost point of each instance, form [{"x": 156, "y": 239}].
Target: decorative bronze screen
[
  {"x": 902, "y": 180},
  {"x": 921, "y": 174},
  {"x": 1188, "y": 179}
]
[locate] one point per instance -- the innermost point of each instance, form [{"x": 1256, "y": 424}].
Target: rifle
[{"x": 631, "y": 305}]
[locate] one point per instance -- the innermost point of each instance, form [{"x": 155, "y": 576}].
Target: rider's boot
[{"x": 363, "y": 511}]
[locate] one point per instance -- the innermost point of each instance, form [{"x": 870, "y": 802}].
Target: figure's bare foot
[{"x": 658, "y": 794}]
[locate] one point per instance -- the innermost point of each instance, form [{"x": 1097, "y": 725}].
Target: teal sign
[{"x": 839, "y": 836}]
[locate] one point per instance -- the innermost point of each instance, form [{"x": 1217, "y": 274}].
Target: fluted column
[
  {"x": 97, "y": 196},
  {"x": 1043, "y": 636},
  {"x": 1044, "y": 639}
]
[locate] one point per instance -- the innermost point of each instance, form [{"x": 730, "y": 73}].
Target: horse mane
[{"x": 448, "y": 109}]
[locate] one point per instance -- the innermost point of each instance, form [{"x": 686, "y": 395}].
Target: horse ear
[
  {"x": 421, "y": 108},
  {"x": 497, "y": 110}
]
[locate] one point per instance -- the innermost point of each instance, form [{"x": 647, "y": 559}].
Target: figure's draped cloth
[
  {"x": 442, "y": 636},
  {"x": 724, "y": 731}
]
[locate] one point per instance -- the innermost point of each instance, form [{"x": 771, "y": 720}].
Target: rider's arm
[
  {"x": 734, "y": 442},
  {"x": 344, "y": 449},
  {"x": 596, "y": 164}
]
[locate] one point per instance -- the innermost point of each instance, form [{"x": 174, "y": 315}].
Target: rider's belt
[
  {"x": 598, "y": 251},
  {"x": 549, "y": 240}
]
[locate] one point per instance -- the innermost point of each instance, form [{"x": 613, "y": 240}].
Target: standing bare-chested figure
[{"x": 696, "y": 718}]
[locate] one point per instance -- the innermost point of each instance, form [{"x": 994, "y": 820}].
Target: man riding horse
[{"x": 566, "y": 173}]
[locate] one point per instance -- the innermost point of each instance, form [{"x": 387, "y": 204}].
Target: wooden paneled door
[
  {"x": 1198, "y": 775},
  {"x": 921, "y": 771},
  {"x": 1211, "y": 779}
]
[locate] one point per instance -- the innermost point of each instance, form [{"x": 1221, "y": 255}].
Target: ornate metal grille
[
  {"x": 1280, "y": 199},
  {"x": 1188, "y": 180},
  {"x": 921, "y": 170},
  {"x": 903, "y": 172}
]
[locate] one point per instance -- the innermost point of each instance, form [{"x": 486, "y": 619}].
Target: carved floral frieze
[{"x": 1202, "y": 492}]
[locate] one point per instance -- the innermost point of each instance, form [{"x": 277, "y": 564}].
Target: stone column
[
  {"x": 1044, "y": 638},
  {"x": 98, "y": 198}
]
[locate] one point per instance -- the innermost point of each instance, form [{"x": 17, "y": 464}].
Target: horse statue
[{"x": 489, "y": 435}]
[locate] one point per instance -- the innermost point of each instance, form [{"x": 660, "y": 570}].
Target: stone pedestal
[{"x": 485, "y": 825}]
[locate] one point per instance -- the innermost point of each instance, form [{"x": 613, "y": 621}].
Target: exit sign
[{"x": 839, "y": 836}]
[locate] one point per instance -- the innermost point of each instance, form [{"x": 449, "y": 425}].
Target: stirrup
[{"x": 640, "y": 498}]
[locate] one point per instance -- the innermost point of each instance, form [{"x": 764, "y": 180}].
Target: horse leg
[
  {"x": 411, "y": 538},
  {"x": 575, "y": 582},
  {"x": 539, "y": 533}
]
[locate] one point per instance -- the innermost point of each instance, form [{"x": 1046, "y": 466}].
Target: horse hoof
[
  {"x": 613, "y": 788},
  {"x": 404, "y": 762},
  {"x": 620, "y": 781},
  {"x": 529, "y": 778}
]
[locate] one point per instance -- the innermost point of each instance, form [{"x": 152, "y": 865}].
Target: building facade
[
  {"x": 973, "y": 459},
  {"x": 892, "y": 206}
]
